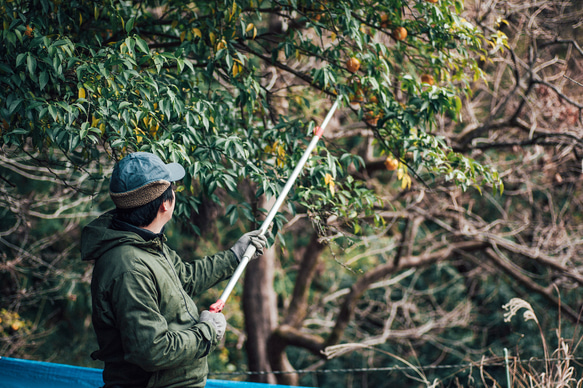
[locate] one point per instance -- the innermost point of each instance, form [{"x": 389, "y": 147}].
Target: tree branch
[
  {"x": 362, "y": 284},
  {"x": 527, "y": 282},
  {"x": 298, "y": 306}
]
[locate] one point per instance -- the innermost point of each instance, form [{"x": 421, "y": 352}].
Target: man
[{"x": 148, "y": 328}]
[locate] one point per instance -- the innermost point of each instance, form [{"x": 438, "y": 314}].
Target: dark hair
[{"x": 144, "y": 215}]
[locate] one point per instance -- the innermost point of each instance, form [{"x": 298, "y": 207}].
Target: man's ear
[{"x": 165, "y": 206}]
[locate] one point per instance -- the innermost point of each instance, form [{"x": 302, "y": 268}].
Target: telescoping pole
[{"x": 220, "y": 303}]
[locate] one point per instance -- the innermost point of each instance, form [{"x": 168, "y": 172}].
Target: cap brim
[{"x": 176, "y": 171}]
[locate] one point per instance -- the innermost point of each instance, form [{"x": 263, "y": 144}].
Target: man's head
[{"x": 140, "y": 183}]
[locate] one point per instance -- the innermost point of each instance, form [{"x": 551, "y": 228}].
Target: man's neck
[{"x": 156, "y": 226}]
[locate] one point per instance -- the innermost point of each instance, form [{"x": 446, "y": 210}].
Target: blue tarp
[{"x": 18, "y": 373}]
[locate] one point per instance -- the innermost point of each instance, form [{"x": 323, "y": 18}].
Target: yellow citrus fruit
[
  {"x": 391, "y": 163},
  {"x": 384, "y": 20},
  {"x": 400, "y": 33},
  {"x": 427, "y": 79},
  {"x": 352, "y": 65}
]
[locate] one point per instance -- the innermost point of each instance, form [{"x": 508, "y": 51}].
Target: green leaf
[
  {"x": 459, "y": 6},
  {"x": 130, "y": 24},
  {"x": 53, "y": 112},
  {"x": 43, "y": 80},
  {"x": 13, "y": 106},
  {"x": 20, "y": 58},
  {"x": 234, "y": 216},
  {"x": 142, "y": 45},
  {"x": 31, "y": 64}
]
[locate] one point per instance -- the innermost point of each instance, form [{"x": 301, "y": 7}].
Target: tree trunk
[
  {"x": 289, "y": 333},
  {"x": 260, "y": 309}
]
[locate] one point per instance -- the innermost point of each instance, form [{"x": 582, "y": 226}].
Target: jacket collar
[{"x": 143, "y": 233}]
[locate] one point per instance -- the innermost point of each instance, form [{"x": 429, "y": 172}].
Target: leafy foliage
[{"x": 184, "y": 80}]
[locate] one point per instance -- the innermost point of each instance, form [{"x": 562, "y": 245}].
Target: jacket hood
[{"x": 99, "y": 236}]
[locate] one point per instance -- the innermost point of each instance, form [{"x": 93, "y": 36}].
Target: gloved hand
[
  {"x": 217, "y": 320},
  {"x": 255, "y": 238}
]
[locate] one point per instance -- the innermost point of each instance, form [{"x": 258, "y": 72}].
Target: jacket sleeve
[
  {"x": 145, "y": 336},
  {"x": 202, "y": 274}
]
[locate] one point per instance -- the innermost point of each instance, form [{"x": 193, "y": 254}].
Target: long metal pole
[{"x": 220, "y": 303}]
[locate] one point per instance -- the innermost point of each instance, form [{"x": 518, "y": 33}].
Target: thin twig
[{"x": 571, "y": 79}]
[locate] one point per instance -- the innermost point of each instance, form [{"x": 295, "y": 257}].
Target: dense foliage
[{"x": 187, "y": 81}]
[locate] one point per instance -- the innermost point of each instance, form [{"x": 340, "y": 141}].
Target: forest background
[{"x": 443, "y": 199}]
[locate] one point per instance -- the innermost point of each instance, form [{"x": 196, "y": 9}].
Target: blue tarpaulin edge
[{"x": 20, "y": 373}]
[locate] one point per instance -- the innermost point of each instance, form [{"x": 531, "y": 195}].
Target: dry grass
[
  {"x": 337, "y": 350},
  {"x": 558, "y": 371}
]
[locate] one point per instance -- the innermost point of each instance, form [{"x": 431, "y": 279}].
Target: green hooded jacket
[{"x": 144, "y": 317}]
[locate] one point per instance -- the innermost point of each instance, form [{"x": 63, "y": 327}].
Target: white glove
[
  {"x": 258, "y": 240},
  {"x": 217, "y": 320}
]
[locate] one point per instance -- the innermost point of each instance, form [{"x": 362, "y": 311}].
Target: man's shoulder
[{"x": 125, "y": 258}]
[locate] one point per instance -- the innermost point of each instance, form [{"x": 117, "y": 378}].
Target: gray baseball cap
[{"x": 140, "y": 178}]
